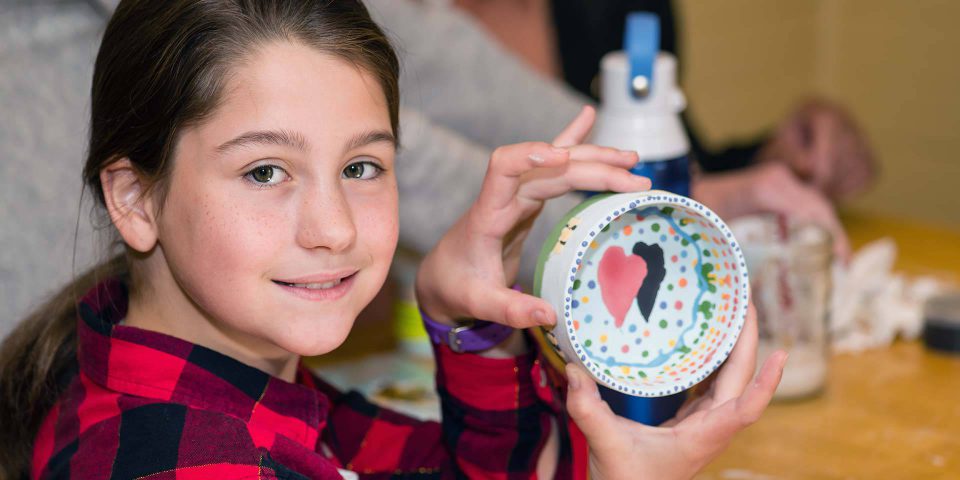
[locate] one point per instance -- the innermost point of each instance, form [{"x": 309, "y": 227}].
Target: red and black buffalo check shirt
[{"x": 148, "y": 405}]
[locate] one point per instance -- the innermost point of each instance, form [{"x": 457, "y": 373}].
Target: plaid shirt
[{"x": 145, "y": 404}]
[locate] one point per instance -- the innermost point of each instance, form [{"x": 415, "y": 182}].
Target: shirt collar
[{"x": 149, "y": 364}]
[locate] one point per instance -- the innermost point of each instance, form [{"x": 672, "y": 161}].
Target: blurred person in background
[{"x": 481, "y": 72}]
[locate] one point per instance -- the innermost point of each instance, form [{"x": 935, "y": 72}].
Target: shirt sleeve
[
  {"x": 461, "y": 77},
  {"x": 497, "y": 416}
]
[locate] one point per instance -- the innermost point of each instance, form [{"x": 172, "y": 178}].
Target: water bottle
[{"x": 640, "y": 110}]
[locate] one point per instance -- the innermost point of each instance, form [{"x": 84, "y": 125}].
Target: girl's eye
[
  {"x": 362, "y": 171},
  {"x": 266, "y": 175}
]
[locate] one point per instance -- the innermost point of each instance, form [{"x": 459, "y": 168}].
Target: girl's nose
[{"x": 326, "y": 221}]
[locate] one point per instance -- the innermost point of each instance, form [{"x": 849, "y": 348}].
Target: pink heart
[{"x": 620, "y": 277}]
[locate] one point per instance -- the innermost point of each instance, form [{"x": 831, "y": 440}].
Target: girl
[{"x": 244, "y": 152}]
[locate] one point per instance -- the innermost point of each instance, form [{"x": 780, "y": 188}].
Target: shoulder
[{"x": 147, "y": 438}]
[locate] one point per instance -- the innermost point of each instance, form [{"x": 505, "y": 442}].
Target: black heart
[{"x": 647, "y": 295}]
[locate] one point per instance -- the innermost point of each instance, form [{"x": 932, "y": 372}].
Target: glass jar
[{"x": 790, "y": 281}]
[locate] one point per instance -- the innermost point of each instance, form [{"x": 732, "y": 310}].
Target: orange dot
[
  {"x": 627, "y": 230},
  {"x": 585, "y": 300},
  {"x": 683, "y": 282},
  {"x": 576, "y": 325},
  {"x": 646, "y": 333}
]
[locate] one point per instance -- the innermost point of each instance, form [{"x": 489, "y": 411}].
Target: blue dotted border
[{"x": 658, "y": 198}]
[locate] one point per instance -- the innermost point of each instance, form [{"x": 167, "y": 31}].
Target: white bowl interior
[{"x": 657, "y": 300}]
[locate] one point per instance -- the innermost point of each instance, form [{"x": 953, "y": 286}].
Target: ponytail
[{"x": 37, "y": 361}]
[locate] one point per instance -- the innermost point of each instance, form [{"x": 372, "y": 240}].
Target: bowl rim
[{"x": 631, "y": 201}]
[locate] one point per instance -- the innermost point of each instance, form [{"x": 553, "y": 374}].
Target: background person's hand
[
  {"x": 770, "y": 188},
  {"x": 821, "y": 143},
  {"x": 468, "y": 274},
  {"x": 703, "y": 428}
]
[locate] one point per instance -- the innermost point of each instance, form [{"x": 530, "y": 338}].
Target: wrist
[{"x": 470, "y": 336}]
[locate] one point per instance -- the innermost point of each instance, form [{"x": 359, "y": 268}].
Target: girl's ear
[{"x": 130, "y": 210}]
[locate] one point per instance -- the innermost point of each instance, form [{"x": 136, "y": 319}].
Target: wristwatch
[{"x": 472, "y": 336}]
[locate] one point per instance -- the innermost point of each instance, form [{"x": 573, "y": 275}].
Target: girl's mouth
[{"x": 328, "y": 290}]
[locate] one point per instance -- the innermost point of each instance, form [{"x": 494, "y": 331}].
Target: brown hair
[{"x": 161, "y": 68}]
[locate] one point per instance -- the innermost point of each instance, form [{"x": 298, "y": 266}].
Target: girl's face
[{"x": 281, "y": 217}]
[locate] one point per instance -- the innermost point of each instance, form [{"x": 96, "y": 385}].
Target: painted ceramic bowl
[{"x": 650, "y": 289}]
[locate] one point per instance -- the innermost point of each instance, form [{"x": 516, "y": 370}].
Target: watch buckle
[{"x": 453, "y": 337}]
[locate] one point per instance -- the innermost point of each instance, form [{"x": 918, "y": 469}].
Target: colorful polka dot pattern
[{"x": 699, "y": 307}]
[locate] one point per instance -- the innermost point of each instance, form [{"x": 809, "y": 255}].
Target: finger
[
  {"x": 826, "y": 139},
  {"x": 577, "y": 130},
  {"x": 593, "y": 176},
  {"x": 610, "y": 156},
  {"x": 591, "y": 414},
  {"x": 718, "y": 425},
  {"x": 737, "y": 371},
  {"x": 755, "y": 399},
  {"x": 509, "y": 307},
  {"x": 508, "y": 163}
]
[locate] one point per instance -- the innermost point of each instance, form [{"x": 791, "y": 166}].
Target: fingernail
[
  {"x": 573, "y": 379},
  {"x": 540, "y": 317},
  {"x": 535, "y": 158},
  {"x": 558, "y": 149}
]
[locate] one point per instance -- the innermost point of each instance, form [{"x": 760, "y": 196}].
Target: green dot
[
  {"x": 667, "y": 210},
  {"x": 655, "y": 227},
  {"x": 587, "y": 343},
  {"x": 606, "y": 228},
  {"x": 696, "y": 340},
  {"x": 608, "y": 372},
  {"x": 684, "y": 242},
  {"x": 663, "y": 324},
  {"x": 576, "y": 284},
  {"x": 670, "y": 287},
  {"x": 704, "y": 325},
  {"x": 695, "y": 236},
  {"x": 706, "y": 253},
  {"x": 645, "y": 353},
  {"x": 642, "y": 375}
]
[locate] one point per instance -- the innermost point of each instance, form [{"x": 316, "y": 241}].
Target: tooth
[{"x": 318, "y": 286}]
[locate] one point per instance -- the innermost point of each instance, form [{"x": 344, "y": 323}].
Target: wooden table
[{"x": 890, "y": 413}]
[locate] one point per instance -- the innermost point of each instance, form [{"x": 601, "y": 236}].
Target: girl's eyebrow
[
  {"x": 266, "y": 137},
  {"x": 297, "y": 140},
  {"x": 372, "y": 136}
]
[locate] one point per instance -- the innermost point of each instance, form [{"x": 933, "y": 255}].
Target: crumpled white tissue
[{"x": 872, "y": 305}]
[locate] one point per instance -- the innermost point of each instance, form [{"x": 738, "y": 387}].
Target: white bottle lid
[{"x": 651, "y": 125}]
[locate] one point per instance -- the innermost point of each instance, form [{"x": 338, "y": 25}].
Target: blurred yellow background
[{"x": 892, "y": 63}]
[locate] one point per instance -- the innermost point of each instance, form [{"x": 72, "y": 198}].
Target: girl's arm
[
  {"x": 468, "y": 274},
  {"x": 498, "y": 415}
]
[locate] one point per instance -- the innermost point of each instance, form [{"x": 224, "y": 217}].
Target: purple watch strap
[{"x": 471, "y": 337}]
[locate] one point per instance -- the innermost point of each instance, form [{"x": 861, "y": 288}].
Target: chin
[{"x": 318, "y": 340}]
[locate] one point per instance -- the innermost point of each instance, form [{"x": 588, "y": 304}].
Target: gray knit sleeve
[{"x": 460, "y": 77}]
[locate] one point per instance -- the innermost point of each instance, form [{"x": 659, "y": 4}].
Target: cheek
[
  {"x": 216, "y": 235},
  {"x": 377, "y": 225}
]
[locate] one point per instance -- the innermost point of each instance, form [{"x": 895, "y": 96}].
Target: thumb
[{"x": 591, "y": 414}]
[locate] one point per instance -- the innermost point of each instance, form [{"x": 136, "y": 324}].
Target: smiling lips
[{"x": 326, "y": 287}]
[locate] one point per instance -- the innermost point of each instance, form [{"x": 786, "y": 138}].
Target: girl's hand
[
  {"x": 470, "y": 271},
  {"x": 704, "y": 426}
]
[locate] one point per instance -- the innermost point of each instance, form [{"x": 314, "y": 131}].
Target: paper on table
[{"x": 872, "y": 305}]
